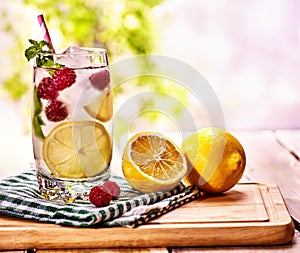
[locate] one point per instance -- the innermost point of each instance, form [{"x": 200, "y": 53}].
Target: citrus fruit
[
  {"x": 152, "y": 163},
  {"x": 216, "y": 160},
  {"x": 77, "y": 149},
  {"x": 101, "y": 106}
]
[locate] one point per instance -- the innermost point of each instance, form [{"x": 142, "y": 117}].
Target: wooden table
[{"x": 273, "y": 157}]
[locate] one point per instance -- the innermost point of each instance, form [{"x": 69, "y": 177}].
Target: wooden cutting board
[{"x": 248, "y": 214}]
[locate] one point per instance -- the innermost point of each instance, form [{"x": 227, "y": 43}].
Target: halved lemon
[
  {"x": 77, "y": 149},
  {"x": 152, "y": 163},
  {"x": 101, "y": 108}
]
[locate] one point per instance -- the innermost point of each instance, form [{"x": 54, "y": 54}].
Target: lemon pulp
[
  {"x": 101, "y": 107},
  {"x": 152, "y": 163},
  {"x": 77, "y": 149}
]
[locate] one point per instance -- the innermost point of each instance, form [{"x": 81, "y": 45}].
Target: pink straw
[{"x": 45, "y": 31}]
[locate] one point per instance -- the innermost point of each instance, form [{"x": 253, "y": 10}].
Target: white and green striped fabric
[{"x": 19, "y": 197}]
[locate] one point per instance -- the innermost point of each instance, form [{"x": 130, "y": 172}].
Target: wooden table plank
[
  {"x": 290, "y": 140},
  {"x": 294, "y": 247},
  {"x": 14, "y": 251},
  {"x": 121, "y": 250},
  {"x": 269, "y": 161}
]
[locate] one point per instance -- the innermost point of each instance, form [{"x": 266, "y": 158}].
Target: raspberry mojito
[{"x": 71, "y": 119}]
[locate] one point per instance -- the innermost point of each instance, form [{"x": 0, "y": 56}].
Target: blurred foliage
[
  {"x": 15, "y": 83},
  {"x": 122, "y": 27},
  {"x": 15, "y": 86}
]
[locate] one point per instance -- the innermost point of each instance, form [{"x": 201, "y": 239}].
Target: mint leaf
[
  {"x": 42, "y": 53},
  {"x": 42, "y": 43},
  {"x": 44, "y": 61},
  {"x": 36, "y": 49},
  {"x": 33, "y": 42},
  {"x": 37, "y": 123},
  {"x": 30, "y": 53},
  {"x": 37, "y": 103}
]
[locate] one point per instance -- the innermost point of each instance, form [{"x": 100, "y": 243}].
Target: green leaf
[
  {"x": 30, "y": 53},
  {"x": 43, "y": 43},
  {"x": 43, "y": 56},
  {"x": 37, "y": 103},
  {"x": 37, "y": 123},
  {"x": 33, "y": 42},
  {"x": 40, "y": 121}
]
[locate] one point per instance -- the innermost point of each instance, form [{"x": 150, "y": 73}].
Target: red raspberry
[
  {"x": 47, "y": 89},
  {"x": 64, "y": 78},
  {"x": 112, "y": 188},
  {"x": 99, "y": 196},
  {"x": 100, "y": 80},
  {"x": 56, "y": 111}
]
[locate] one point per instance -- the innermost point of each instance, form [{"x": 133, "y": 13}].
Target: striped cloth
[{"x": 19, "y": 197}]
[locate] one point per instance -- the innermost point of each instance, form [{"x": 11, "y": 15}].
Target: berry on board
[
  {"x": 99, "y": 196},
  {"x": 112, "y": 188},
  {"x": 64, "y": 78},
  {"x": 47, "y": 89},
  {"x": 56, "y": 111}
]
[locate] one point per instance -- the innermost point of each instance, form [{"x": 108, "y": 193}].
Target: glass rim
[{"x": 89, "y": 51}]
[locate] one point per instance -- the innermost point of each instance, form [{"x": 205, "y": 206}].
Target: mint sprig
[
  {"x": 37, "y": 121},
  {"x": 43, "y": 55},
  {"x": 41, "y": 52}
]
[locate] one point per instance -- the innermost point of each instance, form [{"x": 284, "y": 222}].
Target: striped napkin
[{"x": 19, "y": 197}]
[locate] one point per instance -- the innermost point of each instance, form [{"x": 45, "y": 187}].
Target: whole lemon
[{"x": 216, "y": 160}]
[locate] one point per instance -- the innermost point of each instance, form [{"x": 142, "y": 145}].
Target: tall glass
[{"x": 72, "y": 123}]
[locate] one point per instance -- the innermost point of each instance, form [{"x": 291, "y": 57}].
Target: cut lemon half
[
  {"x": 152, "y": 163},
  {"x": 101, "y": 107},
  {"x": 77, "y": 149}
]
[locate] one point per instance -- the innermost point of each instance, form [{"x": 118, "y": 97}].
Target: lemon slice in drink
[
  {"x": 152, "y": 163},
  {"x": 101, "y": 107},
  {"x": 77, "y": 149}
]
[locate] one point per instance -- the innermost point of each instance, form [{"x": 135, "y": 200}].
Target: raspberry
[
  {"x": 99, "y": 196},
  {"x": 56, "y": 111},
  {"x": 64, "y": 78},
  {"x": 47, "y": 89},
  {"x": 112, "y": 188},
  {"x": 100, "y": 80}
]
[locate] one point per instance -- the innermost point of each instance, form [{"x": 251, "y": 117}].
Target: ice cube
[
  {"x": 78, "y": 95},
  {"x": 75, "y": 57}
]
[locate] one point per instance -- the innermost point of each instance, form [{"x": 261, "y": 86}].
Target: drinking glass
[{"x": 72, "y": 122}]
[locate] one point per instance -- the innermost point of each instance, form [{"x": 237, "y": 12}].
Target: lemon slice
[
  {"x": 101, "y": 107},
  {"x": 152, "y": 163},
  {"x": 77, "y": 149}
]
